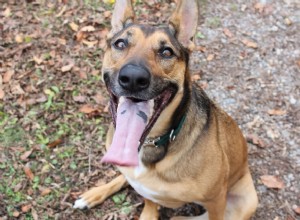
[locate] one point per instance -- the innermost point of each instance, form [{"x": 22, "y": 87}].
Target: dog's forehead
[{"x": 142, "y": 31}]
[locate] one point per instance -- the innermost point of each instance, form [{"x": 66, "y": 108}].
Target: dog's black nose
[{"x": 134, "y": 78}]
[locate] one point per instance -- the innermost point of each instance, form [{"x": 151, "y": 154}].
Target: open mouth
[{"x": 133, "y": 119}]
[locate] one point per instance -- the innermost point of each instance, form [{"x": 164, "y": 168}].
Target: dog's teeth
[{"x": 80, "y": 204}]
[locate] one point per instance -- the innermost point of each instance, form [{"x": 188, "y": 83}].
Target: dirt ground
[{"x": 53, "y": 105}]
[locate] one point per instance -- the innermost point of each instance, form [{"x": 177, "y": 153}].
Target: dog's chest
[{"x": 145, "y": 183}]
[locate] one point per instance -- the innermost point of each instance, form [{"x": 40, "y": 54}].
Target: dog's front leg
[
  {"x": 98, "y": 194},
  {"x": 150, "y": 211}
]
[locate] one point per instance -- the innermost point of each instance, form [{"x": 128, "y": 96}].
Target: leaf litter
[{"x": 246, "y": 59}]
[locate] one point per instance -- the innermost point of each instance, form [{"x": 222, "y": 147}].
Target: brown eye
[
  {"x": 167, "y": 52},
  {"x": 120, "y": 44}
]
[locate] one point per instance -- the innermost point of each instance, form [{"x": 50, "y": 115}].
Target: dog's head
[{"x": 146, "y": 66}]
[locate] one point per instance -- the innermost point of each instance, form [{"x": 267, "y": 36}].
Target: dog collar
[{"x": 168, "y": 137}]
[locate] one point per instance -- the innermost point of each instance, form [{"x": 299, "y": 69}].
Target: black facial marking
[
  {"x": 143, "y": 116},
  {"x": 123, "y": 112}
]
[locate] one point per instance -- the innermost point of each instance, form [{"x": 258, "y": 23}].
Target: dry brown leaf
[
  {"x": 34, "y": 214},
  {"x": 210, "y": 57},
  {"x": 67, "y": 68},
  {"x": 26, "y": 208},
  {"x": 17, "y": 90},
  {"x": 254, "y": 139},
  {"x": 7, "y": 12},
  {"x": 272, "y": 182},
  {"x": 249, "y": 43},
  {"x": 82, "y": 75},
  {"x": 106, "y": 108},
  {"x": 227, "y": 32},
  {"x": 7, "y": 76},
  {"x": 74, "y": 26},
  {"x": 2, "y": 94},
  {"x": 196, "y": 77},
  {"x": 201, "y": 48},
  {"x": 276, "y": 112},
  {"x": 90, "y": 43},
  {"x": 296, "y": 209},
  {"x": 107, "y": 14},
  {"x": 25, "y": 155},
  {"x": 204, "y": 85},
  {"x": 16, "y": 214},
  {"x": 99, "y": 99},
  {"x": 288, "y": 21},
  {"x": 79, "y": 98},
  {"x": 28, "y": 172},
  {"x": 87, "y": 109},
  {"x": 55, "y": 143},
  {"x": 45, "y": 191},
  {"x": 89, "y": 28},
  {"x": 19, "y": 38},
  {"x": 80, "y": 35},
  {"x": 38, "y": 60}
]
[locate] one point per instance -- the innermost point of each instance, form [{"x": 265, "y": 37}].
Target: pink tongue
[{"x": 131, "y": 122}]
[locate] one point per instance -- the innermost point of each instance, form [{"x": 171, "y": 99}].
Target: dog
[{"x": 171, "y": 143}]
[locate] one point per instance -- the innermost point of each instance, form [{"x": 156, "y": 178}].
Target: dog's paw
[{"x": 80, "y": 204}]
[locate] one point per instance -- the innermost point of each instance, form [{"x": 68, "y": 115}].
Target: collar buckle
[{"x": 172, "y": 136}]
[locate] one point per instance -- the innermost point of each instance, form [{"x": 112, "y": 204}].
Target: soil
[{"x": 54, "y": 113}]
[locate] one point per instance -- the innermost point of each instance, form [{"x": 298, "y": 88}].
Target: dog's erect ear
[
  {"x": 184, "y": 22},
  {"x": 122, "y": 16}
]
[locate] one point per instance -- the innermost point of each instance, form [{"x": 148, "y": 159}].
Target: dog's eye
[
  {"x": 120, "y": 44},
  {"x": 166, "y": 52}
]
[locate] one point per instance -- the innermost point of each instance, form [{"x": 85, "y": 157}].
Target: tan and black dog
[{"x": 172, "y": 144}]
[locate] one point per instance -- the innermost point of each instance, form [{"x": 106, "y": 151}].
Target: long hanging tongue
[{"x": 131, "y": 121}]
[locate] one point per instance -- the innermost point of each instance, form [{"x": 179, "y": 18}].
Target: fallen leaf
[
  {"x": 227, "y": 32},
  {"x": 25, "y": 155},
  {"x": 38, "y": 60},
  {"x": 16, "y": 214},
  {"x": 249, "y": 43},
  {"x": 87, "y": 109},
  {"x": 201, "y": 48},
  {"x": 90, "y": 43},
  {"x": 7, "y": 76},
  {"x": 34, "y": 214},
  {"x": 2, "y": 94},
  {"x": 45, "y": 191},
  {"x": 99, "y": 99},
  {"x": 25, "y": 208},
  {"x": 19, "y": 38},
  {"x": 107, "y": 14},
  {"x": 272, "y": 182},
  {"x": 7, "y": 12},
  {"x": 55, "y": 143},
  {"x": 16, "y": 89},
  {"x": 28, "y": 172},
  {"x": 204, "y": 85},
  {"x": 80, "y": 35},
  {"x": 296, "y": 209},
  {"x": 288, "y": 21},
  {"x": 276, "y": 112},
  {"x": 79, "y": 98},
  {"x": 74, "y": 26},
  {"x": 82, "y": 75},
  {"x": 67, "y": 67},
  {"x": 196, "y": 77},
  {"x": 62, "y": 11},
  {"x": 259, "y": 7},
  {"x": 210, "y": 57},
  {"x": 89, "y": 28},
  {"x": 254, "y": 139}
]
